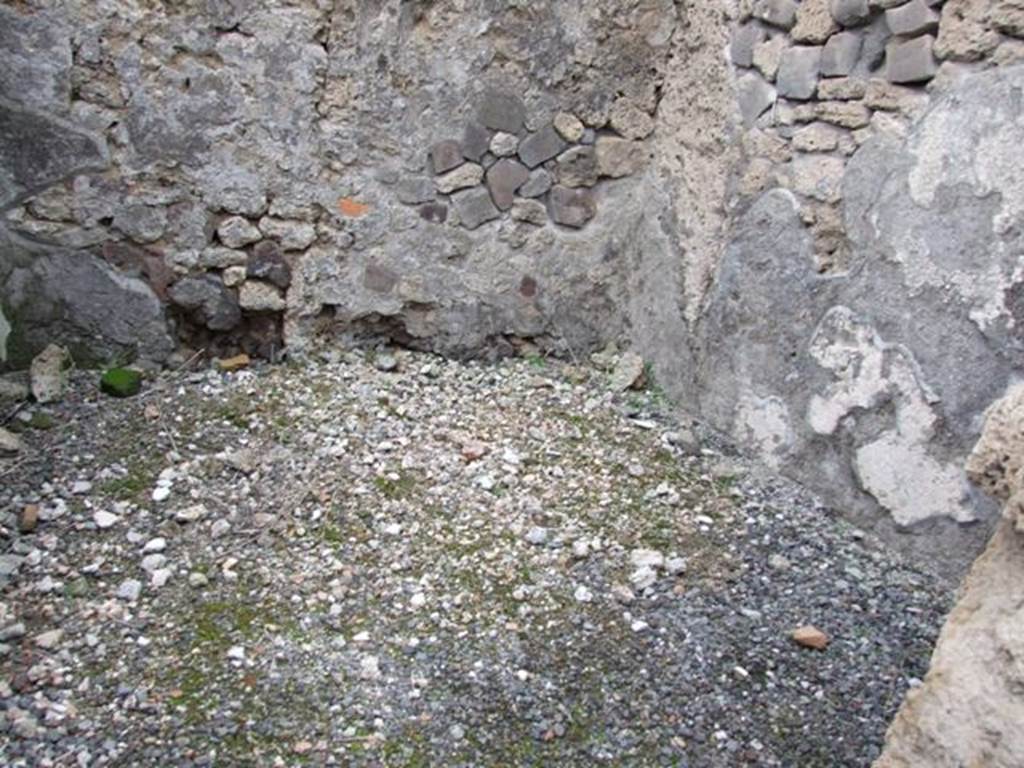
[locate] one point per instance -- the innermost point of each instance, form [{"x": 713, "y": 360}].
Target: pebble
[
  {"x": 646, "y": 558},
  {"x": 153, "y": 562},
  {"x": 537, "y": 536},
  {"x": 81, "y": 487},
  {"x": 190, "y": 514},
  {"x": 644, "y": 577},
  {"x": 369, "y": 668},
  {"x": 105, "y": 520},
  {"x": 12, "y": 632},
  {"x": 161, "y": 493},
  {"x": 129, "y": 590},
  {"x": 220, "y": 528},
  {"x": 583, "y": 595},
  {"x": 197, "y": 580},
  {"x": 675, "y": 566},
  {"x": 28, "y": 519},
  {"x": 158, "y": 544},
  {"x": 810, "y": 636},
  {"x": 49, "y": 640}
]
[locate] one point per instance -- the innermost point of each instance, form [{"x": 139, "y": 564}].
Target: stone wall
[
  {"x": 873, "y": 257},
  {"x": 802, "y": 213},
  {"x": 275, "y": 171}
]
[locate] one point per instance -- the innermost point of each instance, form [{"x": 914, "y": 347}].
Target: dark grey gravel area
[{"x": 441, "y": 564}]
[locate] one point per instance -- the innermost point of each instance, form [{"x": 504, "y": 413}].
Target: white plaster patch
[
  {"x": 766, "y": 423},
  {"x": 982, "y": 291},
  {"x": 896, "y": 468},
  {"x": 854, "y": 354},
  {"x": 909, "y": 483}
]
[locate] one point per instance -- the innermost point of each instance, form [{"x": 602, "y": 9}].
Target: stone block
[
  {"x": 538, "y": 184},
  {"x": 841, "y": 89},
  {"x": 292, "y": 235},
  {"x": 798, "y": 72},
  {"x": 540, "y": 146},
  {"x": 216, "y": 257},
  {"x": 530, "y": 211},
  {"x": 1008, "y": 17},
  {"x": 577, "y": 167},
  {"x": 754, "y": 96},
  {"x": 964, "y": 31},
  {"x": 415, "y": 189},
  {"x": 910, "y": 61},
  {"x": 767, "y": 56},
  {"x": 208, "y": 300},
  {"x": 502, "y": 112},
  {"x": 912, "y": 19},
  {"x": 569, "y": 127},
  {"x": 816, "y": 137},
  {"x": 618, "y": 157},
  {"x": 630, "y": 120},
  {"x": 845, "y": 114},
  {"x": 814, "y": 23},
  {"x": 778, "y": 13},
  {"x": 466, "y": 175},
  {"x": 840, "y": 54},
  {"x": 238, "y": 232},
  {"x": 268, "y": 263},
  {"x": 741, "y": 46},
  {"x": 850, "y": 13},
  {"x": 503, "y": 179},
  {"x": 257, "y": 296},
  {"x": 571, "y": 207},
  {"x": 475, "y": 141},
  {"x": 474, "y": 207},
  {"x": 435, "y": 213},
  {"x": 504, "y": 144},
  {"x": 446, "y": 155}
]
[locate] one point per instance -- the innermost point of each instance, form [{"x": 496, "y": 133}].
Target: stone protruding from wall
[
  {"x": 996, "y": 464},
  {"x": 969, "y": 710}
]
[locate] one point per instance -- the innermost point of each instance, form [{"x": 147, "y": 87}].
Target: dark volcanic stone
[
  {"x": 502, "y": 112},
  {"x": 210, "y": 302},
  {"x": 503, "y": 179},
  {"x": 435, "y": 212},
  {"x": 446, "y": 155},
  {"x": 268, "y": 263},
  {"x": 475, "y": 141},
  {"x": 540, "y": 146},
  {"x": 538, "y": 184},
  {"x": 474, "y": 207}
]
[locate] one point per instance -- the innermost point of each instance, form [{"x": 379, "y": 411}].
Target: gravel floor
[{"x": 441, "y": 565}]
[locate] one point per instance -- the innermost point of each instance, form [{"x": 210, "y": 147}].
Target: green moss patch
[{"x": 121, "y": 382}]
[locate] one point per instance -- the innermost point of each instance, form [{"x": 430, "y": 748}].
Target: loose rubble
[{"x": 430, "y": 563}]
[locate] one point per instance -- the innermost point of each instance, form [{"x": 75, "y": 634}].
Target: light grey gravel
[{"x": 307, "y": 569}]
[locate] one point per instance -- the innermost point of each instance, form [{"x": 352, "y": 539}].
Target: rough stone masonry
[{"x": 805, "y": 214}]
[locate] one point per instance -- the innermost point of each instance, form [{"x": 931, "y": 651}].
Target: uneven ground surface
[{"x": 443, "y": 565}]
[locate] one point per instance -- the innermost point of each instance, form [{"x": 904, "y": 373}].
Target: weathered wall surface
[
  {"x": 452, "y": 175},
  {"x": 805, "y": 214},
  {"x": 971, "y": 705}
]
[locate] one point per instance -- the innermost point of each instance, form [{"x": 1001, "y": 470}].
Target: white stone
[{"x": 105, "y": 520}]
